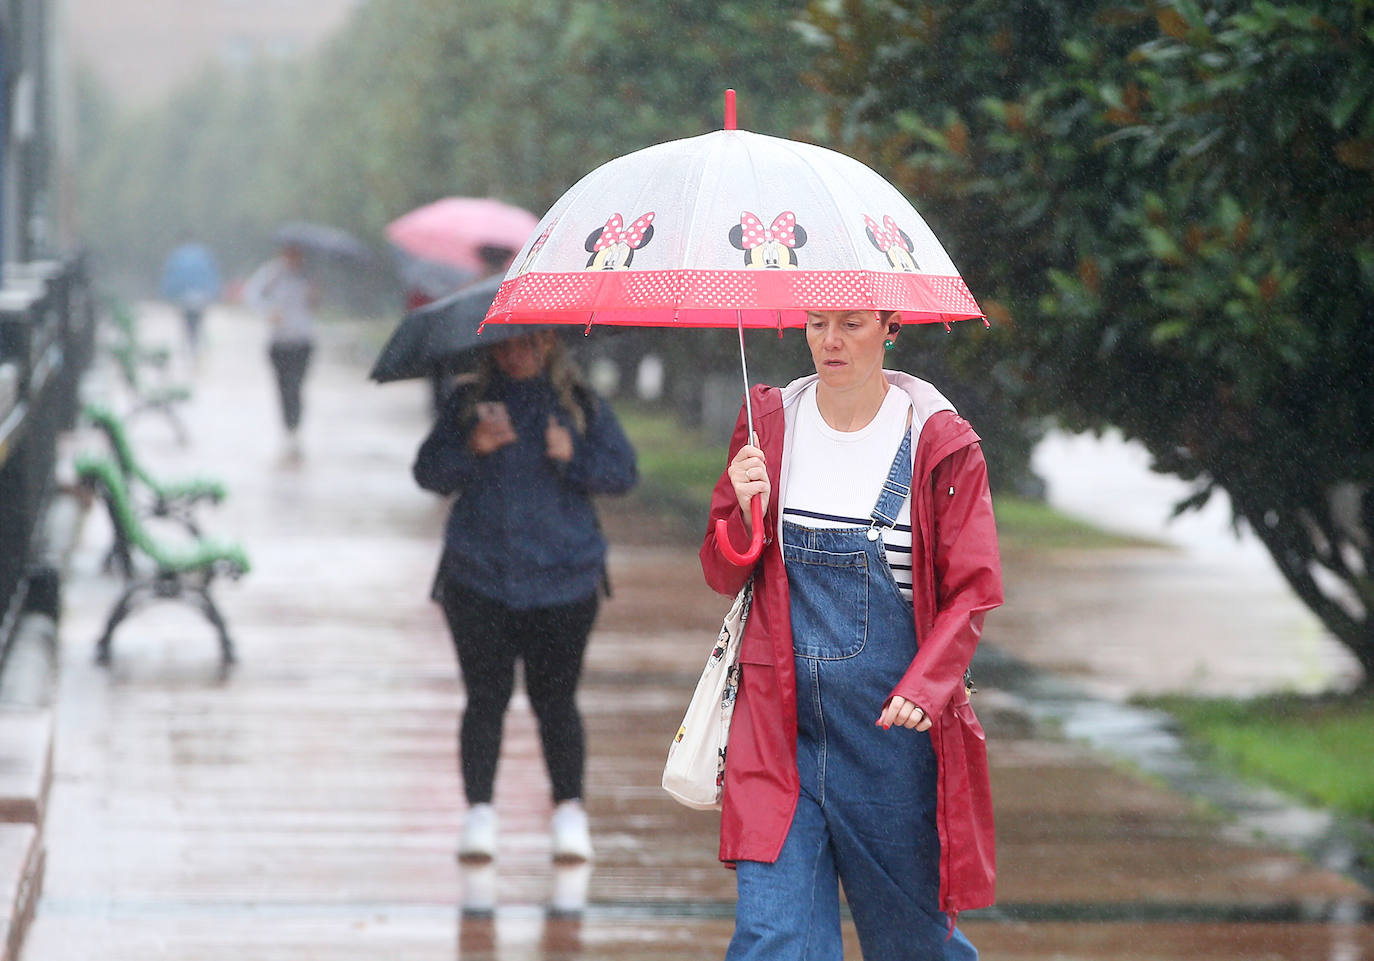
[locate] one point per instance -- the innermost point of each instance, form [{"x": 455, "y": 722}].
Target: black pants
[
  {"x": 290, "y": 361},
  {"x": 191, "y": 318},
  {"x": 550, "y": 641}
]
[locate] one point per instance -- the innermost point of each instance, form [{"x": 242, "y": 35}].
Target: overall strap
[{"x": 895, "y": 490}]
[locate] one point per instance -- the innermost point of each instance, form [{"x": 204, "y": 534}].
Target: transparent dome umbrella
[{"x": 730, "y": 229}]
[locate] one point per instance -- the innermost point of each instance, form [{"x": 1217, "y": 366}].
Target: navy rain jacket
[{"x": 523, "y": 530}]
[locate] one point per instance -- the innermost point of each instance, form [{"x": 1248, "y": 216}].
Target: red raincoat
[{"x": 957, "y": 578}]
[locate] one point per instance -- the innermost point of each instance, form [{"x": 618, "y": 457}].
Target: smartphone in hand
[
  {"x": 493, "y": 412},
  {"x": 493, "y": 429}
]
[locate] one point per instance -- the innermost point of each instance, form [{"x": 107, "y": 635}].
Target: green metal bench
[
  {"x": 131, "y": 356},
  {"x": 151, "y": 497},
  {"x": 162, "y": 400},
  {"x": 179, "y": 572}
]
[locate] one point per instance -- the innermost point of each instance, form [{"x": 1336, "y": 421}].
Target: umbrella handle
[{"x": 755, "y": 545}]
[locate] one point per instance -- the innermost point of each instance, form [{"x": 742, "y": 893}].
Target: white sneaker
[
  {"x": 478, "y": 841},
  {"x": 568, "y": 894},
  {"x": 479, "y": 889},
  {"x": 291, "y": 453},
  {"x": 572, "y": 839}
]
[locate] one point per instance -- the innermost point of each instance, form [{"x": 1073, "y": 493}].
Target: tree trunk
[{"x": 1291, "y": 545}]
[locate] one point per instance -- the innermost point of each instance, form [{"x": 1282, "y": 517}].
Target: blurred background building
[{"x": 140, "y": 50}]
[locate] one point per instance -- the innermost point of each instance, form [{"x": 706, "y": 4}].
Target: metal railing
[{"x": 47, "y": 339}]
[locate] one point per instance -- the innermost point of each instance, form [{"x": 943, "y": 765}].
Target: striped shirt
[{"x": 834, "y": 477}]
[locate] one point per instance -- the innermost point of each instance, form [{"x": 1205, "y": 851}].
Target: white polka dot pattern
[
  {"x": 755, "y": 234},
  {"x": 632, "y": 236},
  {"x": 684, "y": 294}
]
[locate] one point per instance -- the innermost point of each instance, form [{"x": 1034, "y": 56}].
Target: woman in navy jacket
[{"x": 524, "y": 446}]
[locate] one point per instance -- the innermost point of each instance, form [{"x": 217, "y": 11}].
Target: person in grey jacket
[
  {"x": 281, "y": 290},
  {"x": 524, "y": 445}
]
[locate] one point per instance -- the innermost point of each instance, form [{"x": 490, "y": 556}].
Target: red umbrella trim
[{"x": 711, "y": 298}]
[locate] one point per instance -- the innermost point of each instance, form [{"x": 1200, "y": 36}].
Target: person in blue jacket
[
  {"x": 524, "y": 444},
  {"x": 191, "y": 280}
]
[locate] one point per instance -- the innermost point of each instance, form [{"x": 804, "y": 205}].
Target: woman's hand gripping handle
[{"x": 749, "y": 476}]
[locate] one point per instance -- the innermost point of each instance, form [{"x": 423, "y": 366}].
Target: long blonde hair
[{"x": 568, "y": 384}]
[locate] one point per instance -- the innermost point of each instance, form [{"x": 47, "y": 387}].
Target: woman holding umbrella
[
  {"x": 525, "y": 444},
  {"x": 854, "y": 754}
]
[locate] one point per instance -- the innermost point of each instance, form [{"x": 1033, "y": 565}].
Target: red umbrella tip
[{"x": 729, "y": 109}]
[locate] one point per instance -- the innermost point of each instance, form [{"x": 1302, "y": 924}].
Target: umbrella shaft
[{"x": 744, "y": 369}]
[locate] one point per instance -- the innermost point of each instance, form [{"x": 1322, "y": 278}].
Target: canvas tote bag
[{"x": 695, "y": 772}]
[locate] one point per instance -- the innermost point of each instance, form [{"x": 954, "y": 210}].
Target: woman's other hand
[
  {"x": 903, "y": 713},
  {"x": 558, "y": 442},
  {"x": 749, "y": 475}
]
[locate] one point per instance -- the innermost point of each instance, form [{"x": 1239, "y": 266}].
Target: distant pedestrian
[
  {"x": 281, "y": 291},
  {"x": 855, "y": 756},
  {"x": 524, "y": 444},
  {"x": 191, "y": 281}
]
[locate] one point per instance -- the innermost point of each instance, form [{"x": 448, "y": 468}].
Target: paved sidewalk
[{"x": 306, "y": 805}]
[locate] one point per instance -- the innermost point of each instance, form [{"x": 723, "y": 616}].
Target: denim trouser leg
[
  {"x": 890, "y": 877},
  {"x": 790, "y": 909}
]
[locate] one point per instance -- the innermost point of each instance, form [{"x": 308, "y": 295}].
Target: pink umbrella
[
  {"x": 730, "y": 229},
  {"x": 453, "y": 231}
]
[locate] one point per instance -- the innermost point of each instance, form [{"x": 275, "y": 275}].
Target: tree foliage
[
  {"x": 418, "y": 99},
  {"x": 1168, "y": 207}
]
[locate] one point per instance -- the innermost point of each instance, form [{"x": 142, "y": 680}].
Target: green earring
[{"x": 889, "y": 344}]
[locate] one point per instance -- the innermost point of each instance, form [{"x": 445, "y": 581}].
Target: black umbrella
[
  {"x": 426, "y": 277},
  {"x": 322, "y": 240},
  {"x": 442, "y": 336}
]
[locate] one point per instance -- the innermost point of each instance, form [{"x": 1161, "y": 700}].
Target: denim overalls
[{"x": 866, "y": 813}]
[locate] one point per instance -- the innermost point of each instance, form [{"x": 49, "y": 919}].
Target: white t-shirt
[
  {"x": 284, "y": 295},
  {"x": 834, "y": 477}
]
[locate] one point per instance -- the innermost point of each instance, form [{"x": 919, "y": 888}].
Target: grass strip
[
  {"x": 678, "y": 466},
  {"x": 1314, "y": 748}
]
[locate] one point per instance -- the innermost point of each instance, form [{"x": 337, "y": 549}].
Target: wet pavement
[
  {"x": 306, "y": 804},
  {"x": 1212, "y": 616}
]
